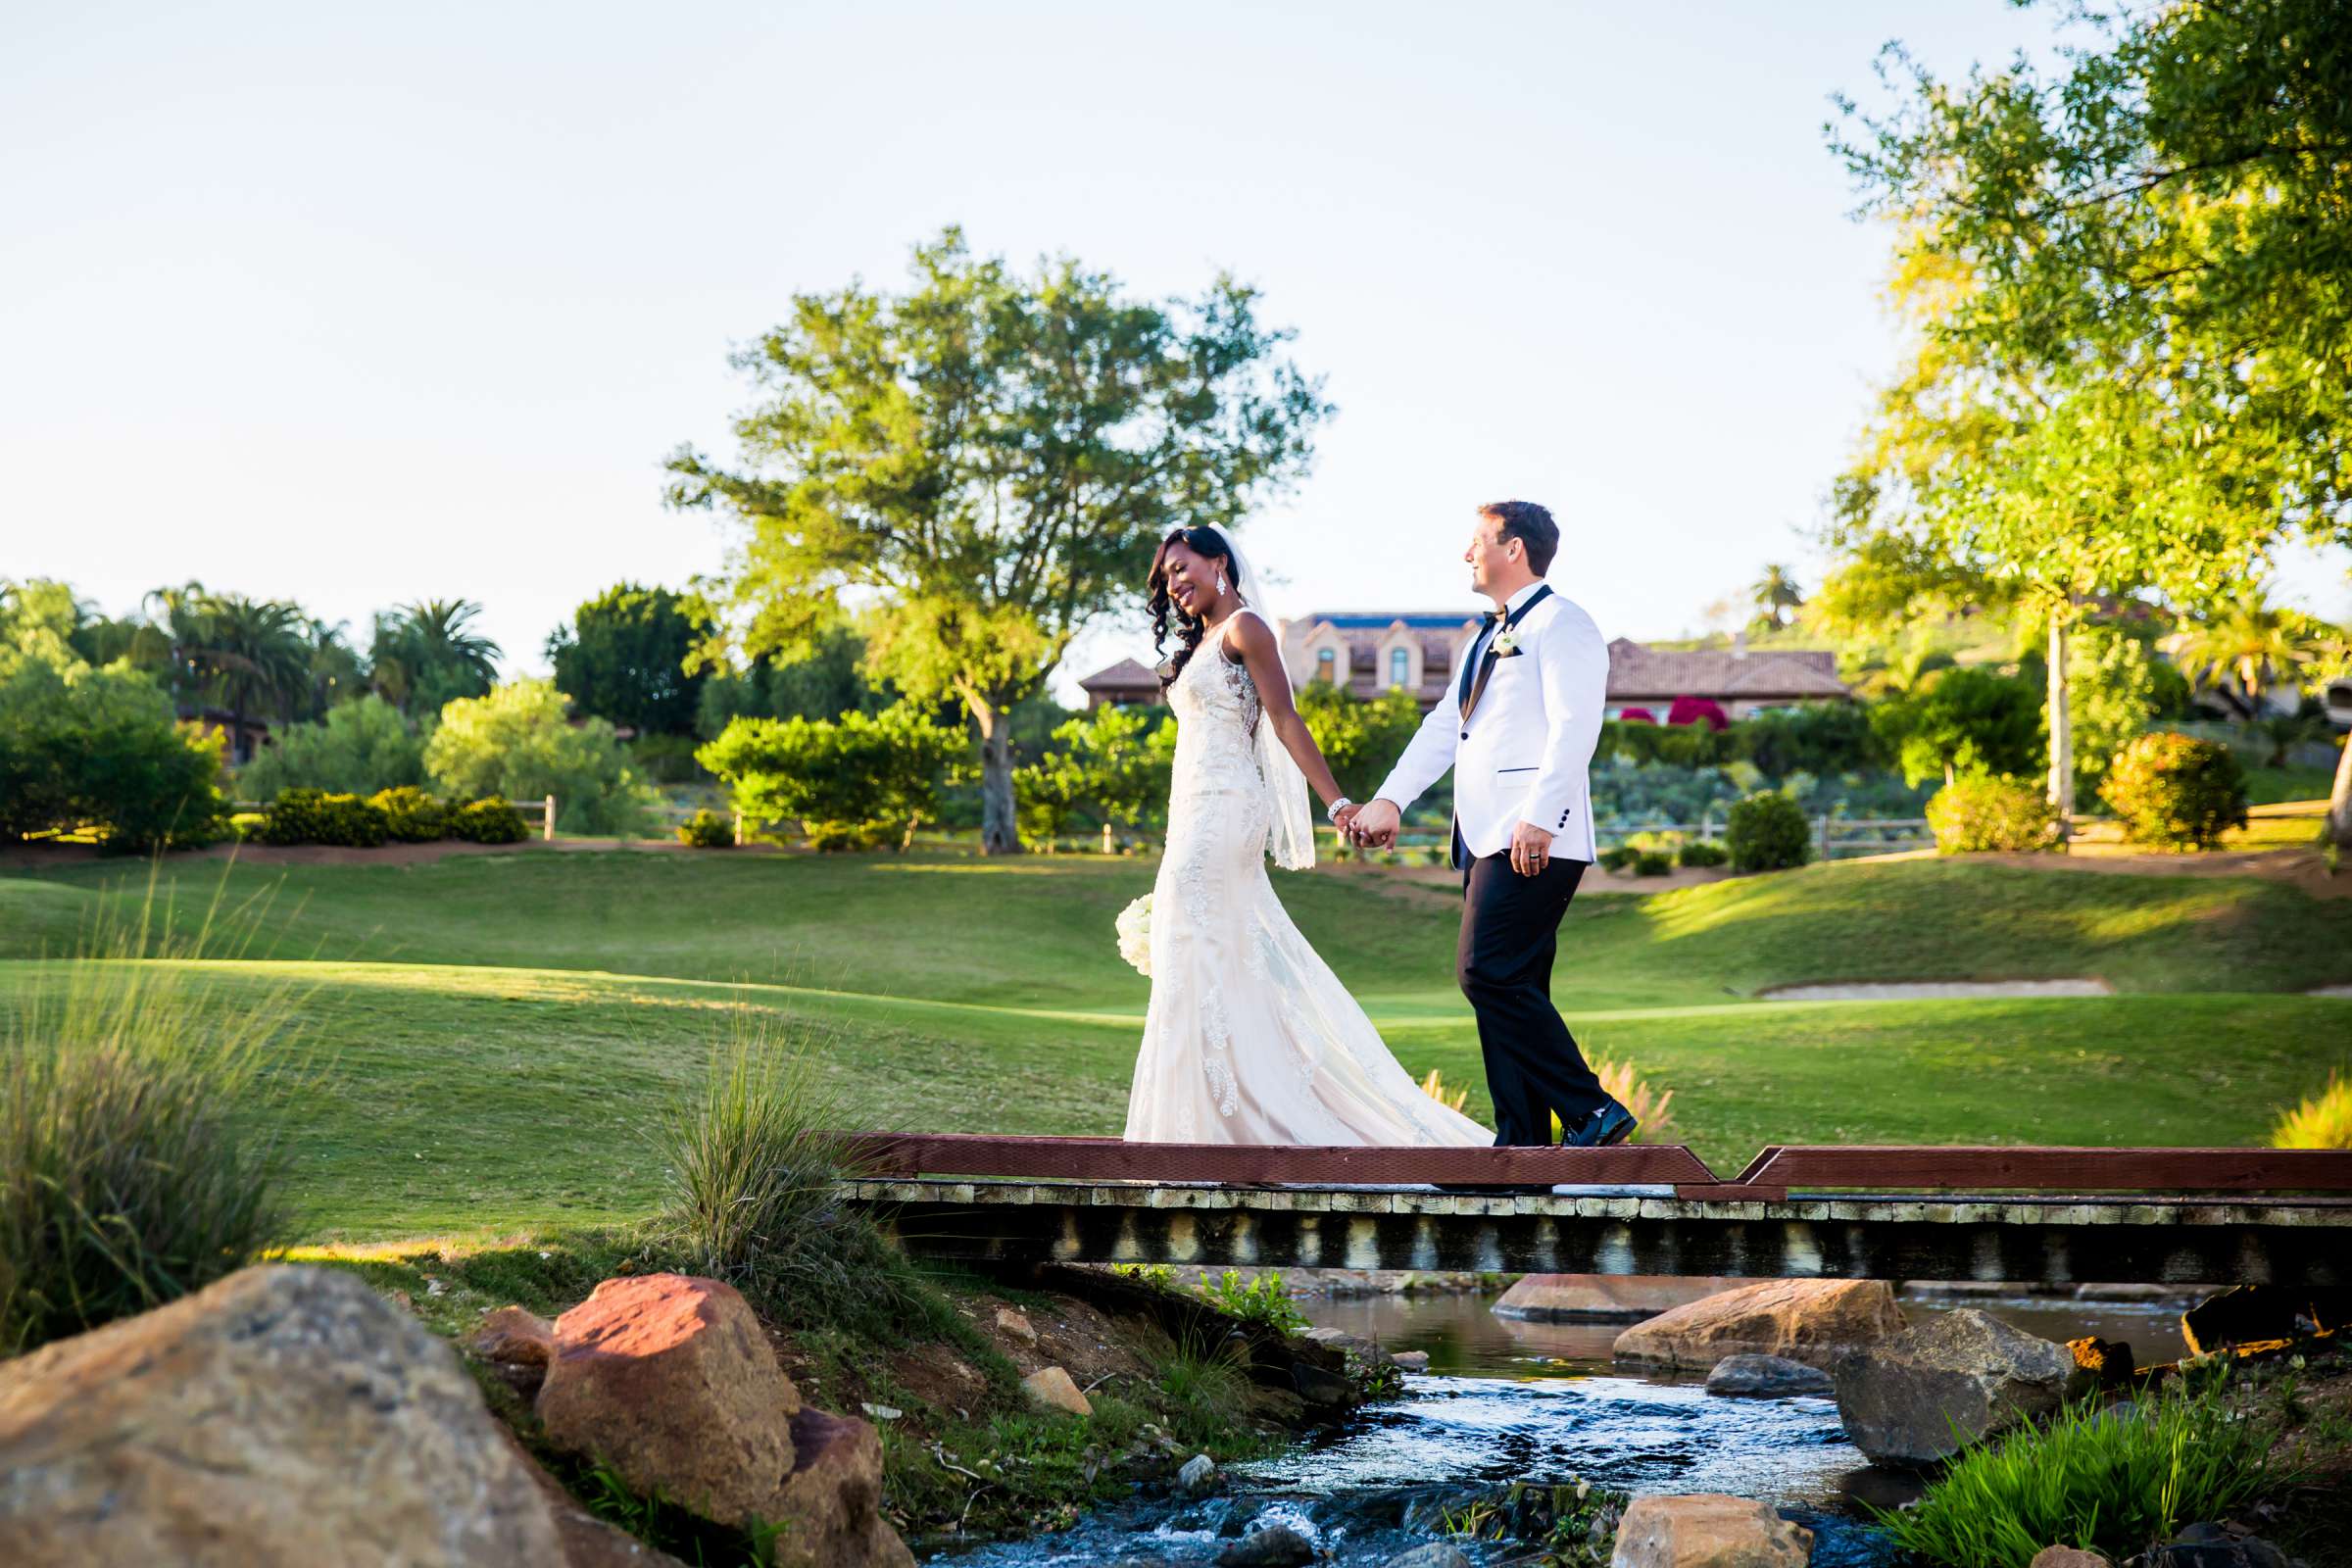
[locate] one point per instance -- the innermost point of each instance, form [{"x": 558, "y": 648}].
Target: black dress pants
[{"x": 1510, "y": 932}]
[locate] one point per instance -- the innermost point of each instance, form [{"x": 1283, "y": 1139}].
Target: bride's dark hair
[{"x": 1201, "y": 542}]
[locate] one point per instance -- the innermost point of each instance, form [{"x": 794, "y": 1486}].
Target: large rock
[
  {"x": 1051, "y": 1387},
  {"x": 1945, "y": 1384},
  {"x": 670, "y": 1381},
  {"x": 831, "y": 1504},
  {"x": 1277, "y": 1546},
  {"x": 1813, "y": 1321},
  {"x": 1766, "y": 1377},
  {"x": 2068, "y": 1558},
  {"x": 283, "y": 1416},
  {"x": 1707, "y": 1530},
  {"x": 1603, "y": 1298},
  {"x": 2211, "y": 1546}
]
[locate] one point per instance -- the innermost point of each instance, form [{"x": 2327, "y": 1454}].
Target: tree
[
  {"x": 518, "y": 742},
  {"x": 254, "y": 655},
  {"x": 424, "y": 655},
  {"x": 1113, "y": 761},
  {"x": 2111, "y": 690},
  {"x": 850, "y": 782},
  {"x": 1776, "y": 595},
  {"x": 984, "y": 463},
  {"x": 1360, "y": 739},
  {"x": 2129, "y": 291},
  {"x": 1962, "y": 721},
  {"x": 2250, "y": 645},
  {"x": 625, "y": 658},
  {"x": 337, "y": 673},
  {"x": 357, "y": 749}
]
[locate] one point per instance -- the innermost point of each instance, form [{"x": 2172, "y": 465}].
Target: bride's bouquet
[{"x": 1133, "y": 926}]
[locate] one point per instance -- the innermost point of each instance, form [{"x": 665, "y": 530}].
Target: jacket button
[{"x": 1465, "y": 734}]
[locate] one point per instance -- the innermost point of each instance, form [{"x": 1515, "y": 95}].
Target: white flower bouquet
[{"x": 1133, "y": 926}]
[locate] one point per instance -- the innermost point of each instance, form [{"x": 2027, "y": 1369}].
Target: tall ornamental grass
[
  {"x": 753, "y": 1161},
  {"x": 138, "y": 1159},
  {"x": 2322, "y": 1121},
  {"x": 2094, "y": 1479}
]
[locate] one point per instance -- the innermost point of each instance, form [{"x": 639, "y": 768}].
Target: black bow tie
[{"x": 1493, "y": 615}]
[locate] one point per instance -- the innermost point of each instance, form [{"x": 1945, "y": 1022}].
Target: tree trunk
[
  {"x": 2062, "y": 728},
  {"x": 2339, "y": 800},
  {"x": 998, "y": 833}
]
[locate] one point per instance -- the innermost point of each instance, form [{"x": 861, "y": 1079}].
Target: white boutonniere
[{"x": 1505, "y": 644}]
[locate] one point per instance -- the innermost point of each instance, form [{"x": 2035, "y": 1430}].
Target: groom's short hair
[{"x": 1531, "y": 525}]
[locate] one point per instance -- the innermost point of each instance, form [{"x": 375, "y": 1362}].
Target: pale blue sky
[{"x": 359, "y": 306}]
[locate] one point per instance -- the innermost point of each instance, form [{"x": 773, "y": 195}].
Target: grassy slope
[{"x": 548, "y": 1006}]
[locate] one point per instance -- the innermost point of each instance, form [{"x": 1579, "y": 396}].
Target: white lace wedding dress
[{"x": 1250, "y": 1038}]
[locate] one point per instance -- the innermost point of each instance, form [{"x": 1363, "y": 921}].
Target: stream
[{"x": 1506, "y": 1400}]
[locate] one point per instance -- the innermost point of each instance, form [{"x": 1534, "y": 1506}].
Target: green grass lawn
[{"x": 492, "y": 1041}]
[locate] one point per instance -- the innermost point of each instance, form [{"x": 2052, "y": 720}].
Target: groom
[{"x": 1518, "y": 732}]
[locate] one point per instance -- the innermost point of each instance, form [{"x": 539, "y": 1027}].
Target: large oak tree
[
  {"x": 980, "y": 465},
  {"x": 2131, "y": 284}
]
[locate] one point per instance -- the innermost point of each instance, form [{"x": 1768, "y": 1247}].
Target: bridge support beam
[{"x": 2051, "y": 1241}]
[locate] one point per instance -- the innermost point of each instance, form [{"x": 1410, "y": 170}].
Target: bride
[{"x": 1250, "y": 1038}]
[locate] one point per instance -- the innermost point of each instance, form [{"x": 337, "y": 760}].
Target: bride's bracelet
[{"x": 1332, "y": 812}]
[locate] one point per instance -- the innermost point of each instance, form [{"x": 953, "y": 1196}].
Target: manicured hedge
[
  {"x": 1991, "y": 812},
  {"x": 2175, "y": 792},
  {"x": 405, "y": 816},
  {"x": 1768, "y": 832}
]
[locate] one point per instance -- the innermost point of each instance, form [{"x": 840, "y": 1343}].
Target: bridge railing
[{"x": 1771, "y": 1175}]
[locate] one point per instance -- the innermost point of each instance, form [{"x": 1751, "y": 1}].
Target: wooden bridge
[{"x": 2191, "y": 1216}]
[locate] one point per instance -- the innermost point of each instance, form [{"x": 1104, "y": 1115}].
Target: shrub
[
  {"x": 1990, "y": 813},
  {"x": 312, "y": 816},
  {"x": 2088, "y": 1479},
  {"x": 83, "y": 749},
  {"x": 705, "y": 829},
  {"x": 854, "y": 782},
  {"x": 666, "y": 758},
  {"x": 1618, "y": 858},
  {"x": 1768, "y": 832},
  {"x": 516, "y": 743},
  {"x": 1702, "y": 853},
  {"x": 2175, "y": 792},
  {"x": 411, "y": 816},
  {"x": 2324, "y": 1121},
  {"x": 1261, "y": 1301},
  {"x": 1650, "y": 862},
  {"x": 491, "y": 820},
  {"x": 360, "y": 748},
  {"x": 135, "y": 1158}
]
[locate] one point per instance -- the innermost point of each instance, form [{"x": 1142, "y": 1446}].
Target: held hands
[
  {"x": 1372, "y": 825},
  {"x": 1531, "y": 849}
]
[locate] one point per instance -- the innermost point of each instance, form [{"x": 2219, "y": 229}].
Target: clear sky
[{"x": 363, "y": 304}]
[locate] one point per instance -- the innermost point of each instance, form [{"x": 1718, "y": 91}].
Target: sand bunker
[{"x": 1937, "y": 989}]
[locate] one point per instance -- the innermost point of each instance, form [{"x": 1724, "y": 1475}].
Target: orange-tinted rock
[
  {"x": 1600, "y": 1298},
  {"x": 282, "y": 1418},
  {"x": 2068, "y": 1558},
  {"x": 1050, "y": 1387},
  {"x": 831, "y": 1505},
  {"x": 671, "y": 1382},
  {"x": 513, "y": 1334},
  {"x": 2107, "y": 1362},
  {"x": 1707, "y": 1530},
  {"x": 1813, "y": 1321}
]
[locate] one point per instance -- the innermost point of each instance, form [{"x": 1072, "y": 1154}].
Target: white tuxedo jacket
[{"x": 1525, "y": 752}]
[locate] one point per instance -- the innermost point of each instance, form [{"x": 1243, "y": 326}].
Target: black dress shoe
[{"x": 1611, "y": 1124}]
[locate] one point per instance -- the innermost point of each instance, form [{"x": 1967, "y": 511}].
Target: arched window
[
  {"x": 1401, "y": 667},
  {"x": 1327, "y": 665}
]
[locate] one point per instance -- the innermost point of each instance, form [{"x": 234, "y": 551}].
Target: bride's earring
[{"x": 1221, "y": 582}]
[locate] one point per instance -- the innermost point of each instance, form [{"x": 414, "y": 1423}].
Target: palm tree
[
  {"x": 255, "y": 654},
  {"x": 1777, "y": 591},
  {"x": 176, "y": 618},
  {"x": 425, "y": 652},
  {"x": 2247, "y": 639},
  {"x": 337, "y": 672}
]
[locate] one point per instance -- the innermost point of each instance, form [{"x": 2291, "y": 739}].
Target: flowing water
[{"x": 1506, "y": 1400}]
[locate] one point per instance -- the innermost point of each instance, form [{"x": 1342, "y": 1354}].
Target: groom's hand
[
  {"x": 1374, "y": 825},
  {"x": 1531, "y": 849}
]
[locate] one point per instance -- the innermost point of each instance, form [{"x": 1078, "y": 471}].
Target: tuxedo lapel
[{"x": 1485, "y": 662}]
